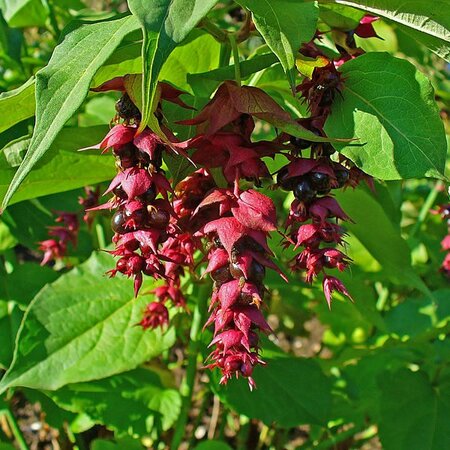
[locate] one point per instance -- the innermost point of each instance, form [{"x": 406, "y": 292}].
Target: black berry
[
  {"x": 118, "y": 222},
  {"x": 303, "y": 191},
  {"x": 319, "y": 181}
]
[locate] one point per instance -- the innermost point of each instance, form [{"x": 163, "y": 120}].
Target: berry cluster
[{"x": 313, "y": 222}]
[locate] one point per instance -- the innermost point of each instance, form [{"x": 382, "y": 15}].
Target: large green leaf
[
  {"x": 81, "y": 328},
  {"x": 24, "y": 13},
  {"x": 284, "y": 25},
  {"x": 64, "y": 83},
  {"x": 375, "y": 230},
  {"x": 427, "y": 21},
  {"x": 165, "y": 23},
  {"x": 389, "y": 106},
  {"x": 133, "y": 402},
  {"x": 290, "y": 391},
  {"x": 17, "y": 105},
  {"x": 63, "y": 168},
  {"x": 200, "y": 54},
  {"x": 414, "y": 413}
]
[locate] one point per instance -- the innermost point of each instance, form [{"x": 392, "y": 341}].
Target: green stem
[
  {"x": 53, "y": 21},
  {"x": 235, "y": 50},
  {"x": 15, "y": 429},
  {"x": 100, "y": 232},
  {"x": 426, "y": 207},
  {"x": 219, "y": 34},
  {"x": 187, "y": 385}
]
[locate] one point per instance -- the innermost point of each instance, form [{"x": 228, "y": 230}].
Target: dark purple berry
[
  {"x": 158, "y": 218},
  {"x": 221, "y": 275},
  {"x": 319, "y": 181},
  {"x": 303, "y": 191},
  {"x": 119, "y": 192},
  {"x": 342, "y": 177},
  {"x": 126, "y": 109},
  {"x": 257, "y": 272},
  {"x": 284, "y": 181},
  {"x": 149, "y": 195},
  {"x": 236, "y": 271},
  {"x": 118, "y": 222},
  {"x": 299, "y": 143}
]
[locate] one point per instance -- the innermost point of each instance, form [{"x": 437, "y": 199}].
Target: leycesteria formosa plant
[{"x": 255, "y": 190}]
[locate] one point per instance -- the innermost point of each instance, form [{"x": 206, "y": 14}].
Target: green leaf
[
  {"x": 375, "y": 230},
  {"x": 14, "y": 289},
  {"x": 63, "y": 168},
  {"x": 208, "y": 80},
  {"x": 133, "y": 402},
  {"x": 165, "y": 23},
  {"x": 290, "y": 392},
  {"x": 125, "y": 60},
  {"x": 64, "y": 83},
  {"x": 389, "y": 106},
  {"x": 200, "y": 54},
  {"x": 284, "y": 25},
  {"x": 424, "y": 20},
  {"x": 80, "y": 328},
  {"x": 414, "y": 413},
  {"x": 10, "y": 318},
  {"x": 24, "y": 13},
  {"x": 17, "y": 105}
]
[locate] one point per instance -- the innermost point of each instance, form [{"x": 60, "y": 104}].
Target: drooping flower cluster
[
  {"x": 55, "y": 248},
  {"x": 237, "y": 261},
  {"x": 148, "y": 240},
  {"x": 444, "y": 212},
  {"x": 236, "y": 224},
  {"x": 158, "y": 229},
  {"x": 313, "y": 222}
]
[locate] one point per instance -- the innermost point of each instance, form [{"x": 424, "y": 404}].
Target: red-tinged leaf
[
  {"x": 228, "y": 294},
  {"x": 118, "y": 136},
  {"x": 229, "y": 338},
  {"x": 228, "y": 229},
  {"x": 255, "y": 315},
  {"x": 217, "y": 259},
  {"x": 116, "y": 84},
  {"x": 147, "y": 142},
  {"x": 133, "y": 181},
  {"x": 172, "y": 94},
  {"x": 255, "y": 211},
  {"x": 231, "y": 101},
  {"x": 221, "y": 196},
  {"x": 327, "y": 207}
]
